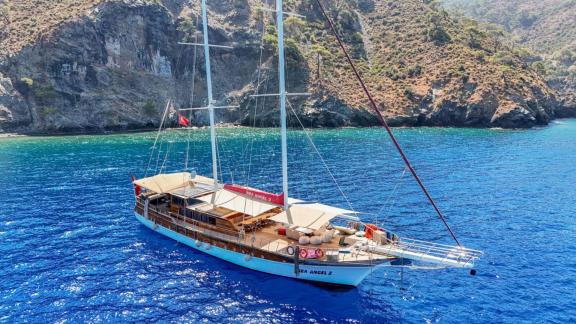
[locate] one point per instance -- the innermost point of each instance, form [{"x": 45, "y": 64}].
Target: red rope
[{"x": 385, "y": 124}]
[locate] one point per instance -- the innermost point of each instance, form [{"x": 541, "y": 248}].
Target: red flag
[
  {"x": 183, "y": 121},
  {"x": 136, "y": 187}
]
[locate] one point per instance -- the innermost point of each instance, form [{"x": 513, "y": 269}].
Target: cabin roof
[
  {"x": 312, "y": 216},
  {"x": 236, "y": 202},
  {"x": 168, "y": 183}
]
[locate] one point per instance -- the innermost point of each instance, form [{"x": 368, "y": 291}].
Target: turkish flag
[
  {"x": 137, "y": 188},
  {"x": 183, "y": 121}
]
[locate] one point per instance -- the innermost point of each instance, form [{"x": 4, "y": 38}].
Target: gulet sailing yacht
[{"x": 275, "y": 233}]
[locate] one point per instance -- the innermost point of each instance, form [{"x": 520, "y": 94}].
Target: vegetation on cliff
[
  {"x": 79, "y": 65},
  {"x": 545, "y": 28}
]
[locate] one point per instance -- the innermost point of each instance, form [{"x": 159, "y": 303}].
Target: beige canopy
[
  {"x": 236, "y": 202},
  {"x": 312, "y": 216},
  {"x": 163, "y": 183}
]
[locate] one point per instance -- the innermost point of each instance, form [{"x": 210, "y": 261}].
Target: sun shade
[
  {"x": 231, "y": 200},
  {"x": 166, "y": 183},
  {"x": 312, "y": 216},
  {"x": 163, "y": 183}
]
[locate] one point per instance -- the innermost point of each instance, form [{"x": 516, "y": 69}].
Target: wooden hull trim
[{"x": 346, "y": 275}]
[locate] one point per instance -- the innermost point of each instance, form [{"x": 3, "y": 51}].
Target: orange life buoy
[
  {"x": 303, "y": 253},
  {"x": 319, "y": 253}
]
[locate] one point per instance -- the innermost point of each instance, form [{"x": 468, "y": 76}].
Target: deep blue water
[{"x": 71, "y": 249}]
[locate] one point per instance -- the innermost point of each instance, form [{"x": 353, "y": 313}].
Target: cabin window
[
  {"x": 177, "y": 201},
  {"x": 193, "y": 201},
  {"x": 200, "y": 217}
]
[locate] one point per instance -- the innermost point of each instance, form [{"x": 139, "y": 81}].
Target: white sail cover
[
  {"x": 163, "y": 183},
  {"x": 312, "y": 216},
  {"x": 236, "y": 202}
]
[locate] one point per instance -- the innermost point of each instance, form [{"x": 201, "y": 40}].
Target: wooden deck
[
  {"x": 268, "y": 239},
  {"x": 264, "y": 235}
]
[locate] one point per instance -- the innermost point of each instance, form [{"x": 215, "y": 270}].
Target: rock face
[
  {"x": 115, "y": 65},
  {"x": 546, "y": 31},
  {"x": 13, "y": 108}
]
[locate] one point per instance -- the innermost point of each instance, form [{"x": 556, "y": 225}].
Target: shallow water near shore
[{"x": 72, "y": 249}]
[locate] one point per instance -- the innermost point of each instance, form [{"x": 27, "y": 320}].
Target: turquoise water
[{"x": 72, "y": 249}]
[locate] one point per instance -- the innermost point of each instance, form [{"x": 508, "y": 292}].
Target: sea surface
[{"x": 71, "y": 249}]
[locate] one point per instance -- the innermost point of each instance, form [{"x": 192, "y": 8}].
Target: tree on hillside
[{"x": 495, "y": 34}]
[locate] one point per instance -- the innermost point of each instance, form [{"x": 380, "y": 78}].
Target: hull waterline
[{"x": 328, "y": 274}]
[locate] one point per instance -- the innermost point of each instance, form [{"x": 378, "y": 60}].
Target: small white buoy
[
  {"x": 155, "y": 226},
  {"x": 208, "y": 246},
  {"x": 198, "y": 243},
  {"x": 247, "y": 257}
]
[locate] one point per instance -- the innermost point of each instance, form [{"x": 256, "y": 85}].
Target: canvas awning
[
  {"x": 231, "y": 200},
  {"x": 312, "y": 216},
  {"x": 163, "y": 183}
]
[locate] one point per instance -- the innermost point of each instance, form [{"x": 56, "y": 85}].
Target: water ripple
[{"x": 72, "y": 251}]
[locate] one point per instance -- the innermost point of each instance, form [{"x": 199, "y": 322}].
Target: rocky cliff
[
  {"x": 544, "y": 31},
  {"x": 102, "y": 65}
]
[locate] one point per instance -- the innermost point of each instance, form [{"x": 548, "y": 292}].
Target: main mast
[
  {"x": 209, "y": 89},
  {"x": 282, "y": 96}
]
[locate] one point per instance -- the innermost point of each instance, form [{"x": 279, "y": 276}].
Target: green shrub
[
  {"x": 149, "y": 108},
  {"x": 270, "y": 41},
  {"x": 436, "y": 31},
  {"x": 293, "y": 54},
  {"x": 187, "y": 27},
  {"x": 48, "y": 111},
  {"x": 539, "y": 67},
  {"x": 506, "y": 69},
  {"x": 27, "y": 81},
  {"x": 43, "y": 93},
  {"x": 439, "y": 35},
  {"x": 503, "y": 58},
  {"x": 415, "y": 71},
  {"x": 409, "y": 93},
  {"x": 393, "y": 73},
  {"x": 567, "y": 57},
  {"x": 474, "y": 37}
]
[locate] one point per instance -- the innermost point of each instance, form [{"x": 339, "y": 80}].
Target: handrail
[
  {"x": 428, "y": 251},
  {"x": 178, "y": 220}
]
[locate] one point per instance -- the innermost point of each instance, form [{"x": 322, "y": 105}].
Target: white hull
[{"x": 339, "y": 275}]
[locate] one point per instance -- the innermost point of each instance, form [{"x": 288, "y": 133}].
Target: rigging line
[
  {"x": 258, "y": 80},
  {"x": 169, "y": 113},
  {"x": 159, "y": 155},
  {"x": 219, "y": 154},
  {"x": 169, "y": 146},
  {"x": 385, "y": 124},
  {"x": 393, "y": 192},
  {"x": 157, "y": 136},
  {"x": 320, "y": 155},
  {"x": 166, "y": 156},
  {"x": 392, "y": 196},
  {"x": 191, "y": 97}
]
